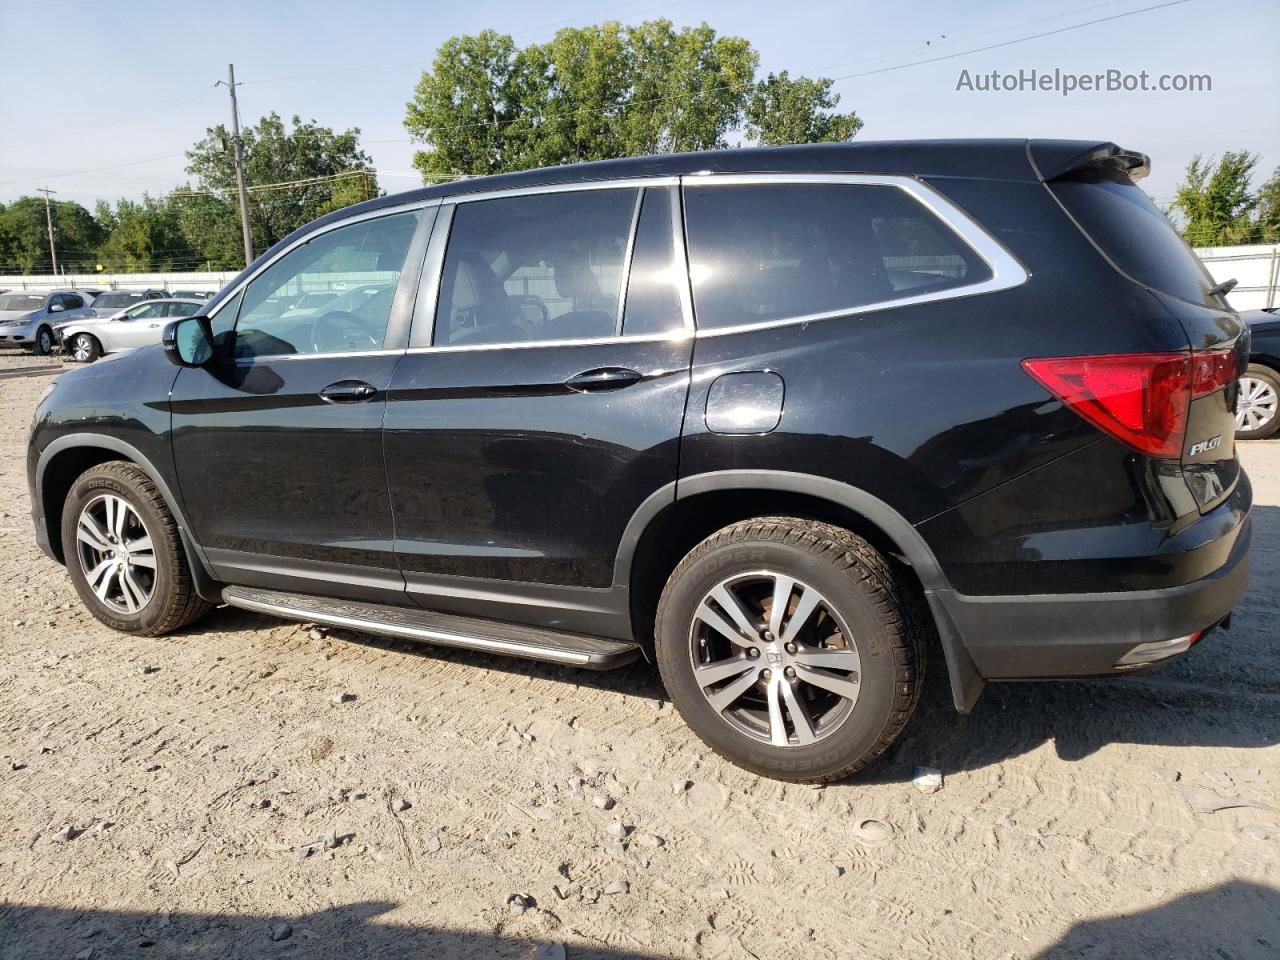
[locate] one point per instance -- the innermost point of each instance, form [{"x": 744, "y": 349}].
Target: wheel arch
[
  {"x": 1267, "y": 360},
  {"x": 680, "y": 515},
  {"x": 67, "y": 457}
]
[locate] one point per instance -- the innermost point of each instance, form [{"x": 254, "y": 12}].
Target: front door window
[{"x": 332, "y": 294}]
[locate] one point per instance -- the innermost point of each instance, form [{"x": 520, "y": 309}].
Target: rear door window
[
  {"x": 1121, "y": 219},
  {"x": 536, "y": 268},
  {"x": 147, "y": 312},
  {"x": 764, "y": 252}
]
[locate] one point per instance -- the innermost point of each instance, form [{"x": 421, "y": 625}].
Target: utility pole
[
  {"x": 238, "y": 144},
  {"x": 48, "y": 219}
]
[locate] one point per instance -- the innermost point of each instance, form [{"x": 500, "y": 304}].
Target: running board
[{"x": 444, "y": 629}]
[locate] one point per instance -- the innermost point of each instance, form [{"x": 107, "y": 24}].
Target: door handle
[
  {"x": 603, "y": 378},
  {"x": 348, "y": 391}
]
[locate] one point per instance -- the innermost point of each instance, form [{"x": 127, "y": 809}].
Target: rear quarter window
[
  {"x": 764, "y": 252},
  {"x": 1121, "y": 219}
]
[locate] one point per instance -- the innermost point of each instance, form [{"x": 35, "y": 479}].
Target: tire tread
[
  {"x": 186, "y": 605},
  {"x": 901, "y": 608}
]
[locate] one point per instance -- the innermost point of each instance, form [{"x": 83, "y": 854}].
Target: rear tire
[
  {"x": 813, "y": 694},
  {"x": 85, "y": 348},
  {"x": 1258, "y": 409},
  {"x": 124, "y": 554},
  {"x": 42, "y": 346}
]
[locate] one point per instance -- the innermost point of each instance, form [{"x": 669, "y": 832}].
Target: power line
[
  {"x": 112, "y": 166},
  {"x": 972, "y": 36},
  {"x": 1010, "y": 43},
  {"x": 723, "y": 86},
  {"x": 420, "y": 59},
  {"x": 80, "y": 129},
  {"x": 715, "y": 88}
]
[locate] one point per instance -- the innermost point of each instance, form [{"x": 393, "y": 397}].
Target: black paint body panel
[{"x": 478, "y": 483}]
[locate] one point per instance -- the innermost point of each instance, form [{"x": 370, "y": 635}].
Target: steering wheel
[{"x": 340, "y": 330}]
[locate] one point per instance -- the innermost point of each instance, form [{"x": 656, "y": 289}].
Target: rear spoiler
[{"x": 1064, "y": 160}]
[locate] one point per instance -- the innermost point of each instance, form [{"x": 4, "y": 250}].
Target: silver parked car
[
  {"x": 111, "y": 302},
  {"x": 137, "y": 326},
  {"x": 28, "y": 317}
]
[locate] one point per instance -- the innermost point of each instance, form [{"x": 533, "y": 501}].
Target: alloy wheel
[
  {"x": 1257, "y": 404},
  {"x": 44, "y": 341},
  {"x": 774, "y": 658},
  {"x": 82, "y": 349},
  {"x": 117, "y": 556}
]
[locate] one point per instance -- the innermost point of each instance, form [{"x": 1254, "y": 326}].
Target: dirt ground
[{"x": 194, "y": 769}]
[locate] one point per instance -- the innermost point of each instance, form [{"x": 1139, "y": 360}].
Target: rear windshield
[
  {"x": 1133, "y": 232},
  {"x": 117, "y": 299}
]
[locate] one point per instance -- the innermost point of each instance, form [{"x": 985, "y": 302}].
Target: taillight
[
  {"x": 1140, "y": 399},
  {"x": 1212, "y": 370}
]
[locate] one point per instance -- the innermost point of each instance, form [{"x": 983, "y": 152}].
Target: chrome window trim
[
  {"x": 270, "y": 358},
  {"x": 537, "y": 344},
  {"x": 623, "y": 183},
  {"x": 1006, "y": 271}
]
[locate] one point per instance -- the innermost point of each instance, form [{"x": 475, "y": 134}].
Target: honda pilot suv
[{"x": 780, "y": 420}]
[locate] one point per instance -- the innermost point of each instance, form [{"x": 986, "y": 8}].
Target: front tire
[
  {"x": 124, "y": 554},
  {"x": 85, "y": 348},
  {"x": 791, "y": 648},
  {"x": 1259, "y": 403}
]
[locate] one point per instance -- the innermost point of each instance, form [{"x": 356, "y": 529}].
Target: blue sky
[{"x": 99, "y": 98}]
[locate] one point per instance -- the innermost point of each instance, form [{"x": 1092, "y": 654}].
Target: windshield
[
  {"x": 22, "y": 301},
  {"x": 116, "y": 301}
]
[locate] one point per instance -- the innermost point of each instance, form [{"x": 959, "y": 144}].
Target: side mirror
[
  {"x": 188, "y": 342},
  {"x": 56, "y": 308}
]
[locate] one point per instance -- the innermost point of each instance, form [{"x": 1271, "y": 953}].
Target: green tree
[
  {"x": 1268, "y": 222},
  {"x": 76, "y": 236},
  {"x": 605, "y": 91},
  {"x": 294, "y": 174},
  {"x": 1215, "y": 201},
  {"x": 782, "y": 110},
  {"x": 144, "y": 236}
]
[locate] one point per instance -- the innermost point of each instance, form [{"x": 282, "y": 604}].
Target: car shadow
[
  {"x": 1223, "y": 693},
  {"x": 351, "y": 930},
  {"x": 1238, "y": 919}
]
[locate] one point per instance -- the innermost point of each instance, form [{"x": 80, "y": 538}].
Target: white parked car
[{"x": 137, "y": 326}]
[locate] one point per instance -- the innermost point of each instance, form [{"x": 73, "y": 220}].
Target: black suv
[{"x": 775, "y": 418}]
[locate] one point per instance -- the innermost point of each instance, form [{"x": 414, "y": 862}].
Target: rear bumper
[{"x": 1089, "y": 634}]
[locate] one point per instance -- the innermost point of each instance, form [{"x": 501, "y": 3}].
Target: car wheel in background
[
  {"x": 791, "y": 647},
  {"x": 122, "y": 550},
  {"x": 85, "y": 348},
  {"x": 1259, "y": 403},
  {"x": 43, "y": 343}
]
